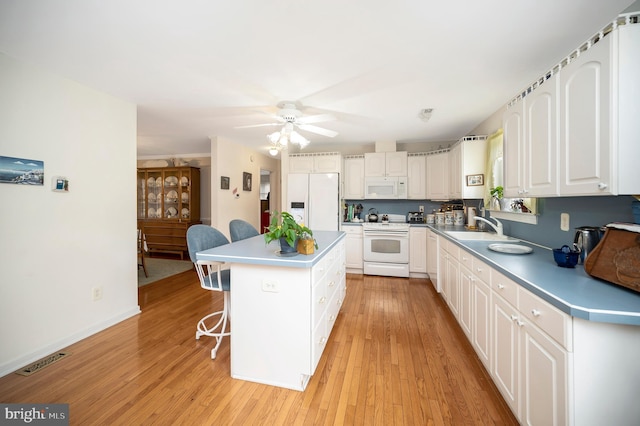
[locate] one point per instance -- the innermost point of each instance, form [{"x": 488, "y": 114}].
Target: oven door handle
[{"x": 401, "y": 234}]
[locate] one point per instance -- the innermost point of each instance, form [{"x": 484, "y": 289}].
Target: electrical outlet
[
  {"x": 271, "y": 286},
  {"x": 96, "y": 293},
  {"x": 421, "y": 209},
  {"x": 564, "y": 221}
]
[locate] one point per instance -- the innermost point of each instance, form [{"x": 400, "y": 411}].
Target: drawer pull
[
  {"x": 322, "y": 341},
  {"x": 479, "y": 269},
  {"x": 519, "y": 323},
  {"x": 500, "y": 287},
  {"x": 322, "y": 300},
  {"x": 332, "y": 283},
  {"x": 332, "y": 317},
  {"x": 514, "y": 317},
  {"x": 535, "y": 312}
]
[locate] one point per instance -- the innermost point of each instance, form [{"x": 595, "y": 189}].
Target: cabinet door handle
[
  {"x": 535, "y": 312},
  {"x": 332, "y": 283},
  {"x": 519, "y": 323},
  {"x": 322, "y": 341},
  {"x": 500, "y": 287},
  {"x": 514, "y": 317},
  {"x": 322, "y": 300},
  {"x": 602, "y": 185}
]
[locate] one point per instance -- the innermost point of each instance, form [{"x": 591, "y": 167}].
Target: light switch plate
[{"x": 564, "y": 221}]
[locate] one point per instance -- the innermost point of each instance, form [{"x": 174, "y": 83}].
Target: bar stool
[{"x": 212, "y": 277}]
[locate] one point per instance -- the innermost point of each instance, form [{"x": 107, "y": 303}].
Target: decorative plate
[
  {"x": 184, "y": 181},
  {"x": 185, "y": 213},
  {"x": 171, "y": 181}
]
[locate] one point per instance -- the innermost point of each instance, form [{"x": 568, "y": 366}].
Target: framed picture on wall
[
  {"x": 246, "y": 181},
  {"x": 475, "y": 180},
  {"x": 21, "y": 171},
  {"x": 224, "y": 182}
]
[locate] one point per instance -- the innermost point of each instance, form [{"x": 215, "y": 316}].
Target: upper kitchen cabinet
[
  {"x": 417, "y": 176},
  {"x": 574, "y": 131},
  {"x": 321, "y": 162},
  {"x": 353, "y": 187},
  {"x": 599, "y": 109},
  {"x": 385, "y": 163},
  {"x": 467, "y": 161},
  {"x": 530, "y": 142},
  {"x": 438, "y": 175}
]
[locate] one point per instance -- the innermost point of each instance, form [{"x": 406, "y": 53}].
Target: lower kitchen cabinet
[
  {"x": 432, "y": 258},
  {"x": 354, "y": 246},
  {"x": 418, "y": 251}
]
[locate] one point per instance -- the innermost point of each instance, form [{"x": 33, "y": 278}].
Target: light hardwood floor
[{"x": 395, "y": 356}]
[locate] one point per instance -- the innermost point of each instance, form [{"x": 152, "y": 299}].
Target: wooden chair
[{"x": 141, "y": 256}]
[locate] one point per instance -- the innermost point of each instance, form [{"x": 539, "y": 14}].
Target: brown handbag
[{"x": 616, "y": 258}]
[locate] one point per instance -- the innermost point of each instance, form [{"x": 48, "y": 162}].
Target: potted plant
[
  {"x": 496, "y": 195},
  {"x": 283, "y": 227}
]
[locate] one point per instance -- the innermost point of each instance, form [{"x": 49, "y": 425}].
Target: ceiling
[{"x": 200, "y": 68}]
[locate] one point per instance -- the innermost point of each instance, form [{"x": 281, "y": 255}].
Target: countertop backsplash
[{"x": 583, "y": 211}]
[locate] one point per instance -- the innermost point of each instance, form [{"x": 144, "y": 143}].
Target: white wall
[
  {"x": 56, "y": 247},
  {"x": 231, "y": 160}
]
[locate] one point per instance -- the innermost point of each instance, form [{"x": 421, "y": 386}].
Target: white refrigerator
[{"x": 312, "y": 198}]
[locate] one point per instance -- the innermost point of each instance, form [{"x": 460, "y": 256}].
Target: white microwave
[{"x": 385, "y": 188}]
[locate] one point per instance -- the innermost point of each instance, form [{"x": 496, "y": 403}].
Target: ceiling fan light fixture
[{"x": 298, "y": 139}]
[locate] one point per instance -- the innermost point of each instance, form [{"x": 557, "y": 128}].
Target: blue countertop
[
  {"x": 571, "y": 290},
  {"x": 255, "y": 251}
]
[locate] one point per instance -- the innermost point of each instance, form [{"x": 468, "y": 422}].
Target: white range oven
[{"x": 386, "y": 248}]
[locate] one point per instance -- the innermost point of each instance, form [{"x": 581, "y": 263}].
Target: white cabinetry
[
  {"x": 354, "y": 246},
  {"x": 417, "y": 176},
  {"x": 467, "y": 157},
  {"x": 280, "y": 334},
  {"x": 575, "y": 132},
  {"x": 353, "y": 178},
  {"x": 432, "y": 258},
  {"x": 531, "y": 143},
  {"x": 418, "y": 251},
  {"x": 322, "y": 162},
  {"x": 385, "y": 163},
  {"x": 438, "y": 176},
  {"x": 546, "y": 364},
  {"x": 585, "y": 106},
  {"x": 455, "y": 171}
]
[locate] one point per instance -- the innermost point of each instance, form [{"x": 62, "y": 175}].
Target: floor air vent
[{"x": 41, "y": 363}]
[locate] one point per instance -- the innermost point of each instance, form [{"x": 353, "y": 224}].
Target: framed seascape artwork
[{"x": 21, "y": 171}]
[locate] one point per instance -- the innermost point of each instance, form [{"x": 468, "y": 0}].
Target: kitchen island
[{"x": 282, "y": 308}]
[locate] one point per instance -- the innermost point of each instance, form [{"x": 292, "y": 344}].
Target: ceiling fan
[{"x": 289, "y": 116}]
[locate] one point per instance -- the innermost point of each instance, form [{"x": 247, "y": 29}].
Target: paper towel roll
[{"x": 471, "y": 212}]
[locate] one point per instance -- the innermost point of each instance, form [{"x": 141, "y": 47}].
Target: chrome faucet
[{"x": 497, "y": 227}]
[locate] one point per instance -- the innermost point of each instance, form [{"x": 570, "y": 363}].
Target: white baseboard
[{"x": 18, "y": 363}]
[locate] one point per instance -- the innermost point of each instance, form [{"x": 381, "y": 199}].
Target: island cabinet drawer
[
  {"x": 504, "y": 287},
  {"x": 319, "y": 302},
  {"x": 321, "y": 269},
  {"x": 319, "y": 338},
  {"x": 550, "y": 319},
  {"x": 481, "y": 270}
]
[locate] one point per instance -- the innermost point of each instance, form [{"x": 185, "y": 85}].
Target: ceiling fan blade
[
  {"x": 258, "y": 125},
  {"x": 315, "y": 118},
  {"x": 317, "y": 130}
]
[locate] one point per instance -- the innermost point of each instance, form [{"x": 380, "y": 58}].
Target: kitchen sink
[{"x": 478, "y": 236}]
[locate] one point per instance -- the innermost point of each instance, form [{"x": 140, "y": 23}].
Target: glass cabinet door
[
  {"x": 141, "y": 187},
  {"x": 154, "y": 195},
  {"x": 171, "y": 194},
  {"x": 185, "y": 193}
]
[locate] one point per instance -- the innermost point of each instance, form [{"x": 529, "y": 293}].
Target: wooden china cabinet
[{"x": 168, "y": 203}]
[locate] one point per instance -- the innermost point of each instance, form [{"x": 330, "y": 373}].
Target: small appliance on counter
[{"x": 415, "y": 217}]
